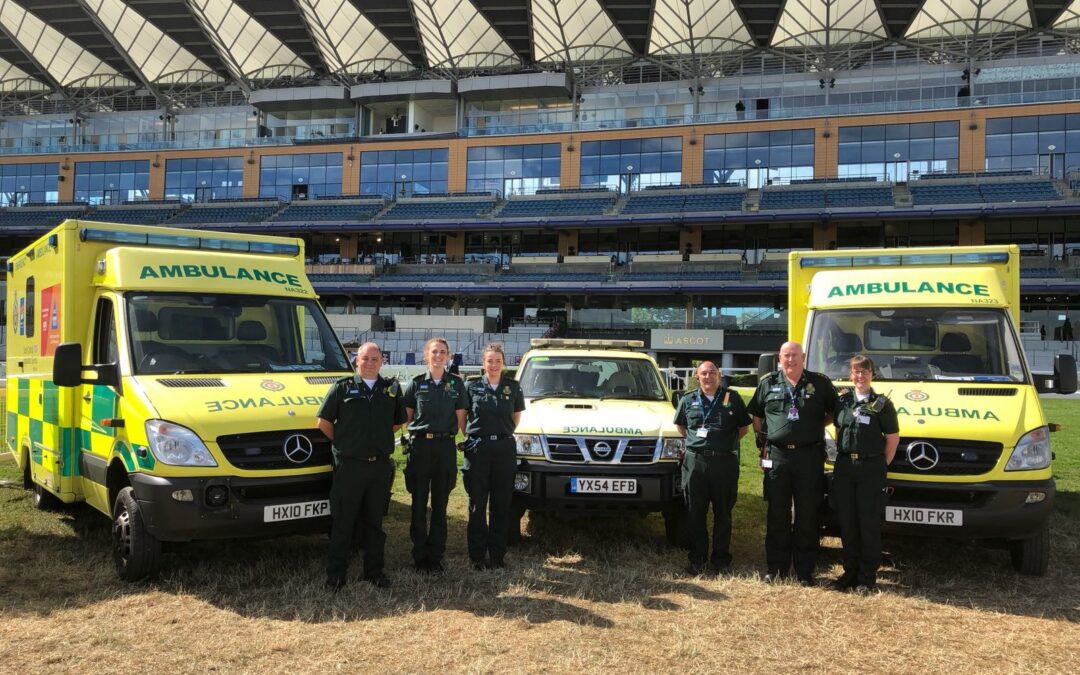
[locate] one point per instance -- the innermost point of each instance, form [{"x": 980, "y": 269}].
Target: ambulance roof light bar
[
  {"x": 905, "y": 260},
  {"x": 192, "y": 242},
  {"x": 567, "y": 343}
]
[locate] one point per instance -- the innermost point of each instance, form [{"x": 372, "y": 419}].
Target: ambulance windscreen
[
  {"x": 918, "y": 344},
  {"x": 178, "y": 333}
]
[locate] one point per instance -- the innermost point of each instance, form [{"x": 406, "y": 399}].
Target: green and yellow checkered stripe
[{"x": 33, "y": 413}]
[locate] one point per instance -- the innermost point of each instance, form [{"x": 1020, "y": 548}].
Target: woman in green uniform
[
  {"x": 495, "y": 405},
  {"x": 867, "y": 433}
]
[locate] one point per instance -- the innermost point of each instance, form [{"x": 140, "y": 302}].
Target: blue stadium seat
[
  {"x": 437, "y": 209},
  {"x": 592, "y": 205}
]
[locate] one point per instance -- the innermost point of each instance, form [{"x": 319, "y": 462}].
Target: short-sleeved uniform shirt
[
  {"x": 435, "y": 405},
  {"x": 813, "y": 396},
  {"x": 864, "y": 425},
  {"x": 721, "y": 418},
  {"x": 491, "y": 409},
  {"x": 363, "y": 418}
]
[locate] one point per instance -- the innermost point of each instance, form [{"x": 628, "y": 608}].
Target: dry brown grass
[{"x": 578, "y": 597}]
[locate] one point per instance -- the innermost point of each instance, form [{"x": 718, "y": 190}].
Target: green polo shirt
[
  {"x": 721, "y": 418},
  {"x": 862, "y": 426},
  {"x": 363, "y": 418},
  {"x": 491, "y": 411},
  {"x": 813, "y": 396},
  {"x": 435, "y": 406}
]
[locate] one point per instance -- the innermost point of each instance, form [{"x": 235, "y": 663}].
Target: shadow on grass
[{"x": 561, "y": 566}]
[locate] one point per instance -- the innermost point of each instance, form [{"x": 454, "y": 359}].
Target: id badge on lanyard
[{"x": 793, "y": 411}]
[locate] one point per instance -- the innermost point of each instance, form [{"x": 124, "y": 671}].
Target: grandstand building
[{"x": 637, "y": 167}]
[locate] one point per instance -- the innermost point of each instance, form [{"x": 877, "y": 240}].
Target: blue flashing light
[
  {"x": 274, "y": 248},
  {"x": 224, "y": 245},
  {"x": 906, "y": 260},
  {"x": 187, "y": 242},
  {"x": 172, "y": 241},
  {"x": 113, "y": 236}
]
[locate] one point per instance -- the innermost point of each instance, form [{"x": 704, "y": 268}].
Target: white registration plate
[
  {"x": 604, "y": 486},
  {"x": 273, "y": 514},
  {"x": 909, "y": 515}
]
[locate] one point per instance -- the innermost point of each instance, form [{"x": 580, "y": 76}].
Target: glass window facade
[
  {"x": 220, "y": 126},
  {"x": 899, "y": 152},
  {"x": 290, "y": 177},
  {"x": 37, "y": 132},
  {"x": 29, "y": 183},
  {"x": 204, "y": 178},
  {"x": 400, "y": 173},
  {"x": 759, "y": 158},
  {"x": 311, "y": 124},
  {"x": 631, "y": 163},
  {"x": 513, "y": 169},
  {"x": 112, "y": 182},
  {"x": 1045, "y": 143}
]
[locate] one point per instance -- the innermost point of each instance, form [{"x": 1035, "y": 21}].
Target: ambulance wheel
[
  {"x": 676, "y": 527},
  {"x": 43, "y": 500},
  {"x": 1031, "y": 556},
  {"x": 136, "y": 552}
]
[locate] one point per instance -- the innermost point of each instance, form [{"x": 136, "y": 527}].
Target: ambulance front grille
[
  {"x": 954, "y": 458},
  {"x": 599, "y": 450},
  {"x": 322, "y": 379},
  {"x": 192, "y": 382},
  {"x": 267, "y": 449}
]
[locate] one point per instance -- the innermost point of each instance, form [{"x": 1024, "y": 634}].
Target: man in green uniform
[
  {"x": 360, "y": 414},
  {"x": 867, "y": 433},
  {"x": 495, "y": 406},
  {"x": 712, "y": 421},
  {"x": 435, "y": 403},
  {"x": 794, "y": 405}
]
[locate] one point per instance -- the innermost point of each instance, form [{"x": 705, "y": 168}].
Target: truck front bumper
[
  {"x": 244, "y": 511},
  {"x": 542, "y": 485},
  {"x": 991, "y": 510}
]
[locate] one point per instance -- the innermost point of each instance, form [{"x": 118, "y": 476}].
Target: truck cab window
[{"x": 105, "y": 345}]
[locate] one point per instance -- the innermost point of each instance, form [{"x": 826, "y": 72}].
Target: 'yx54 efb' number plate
[{"x": 604, "y": 486}]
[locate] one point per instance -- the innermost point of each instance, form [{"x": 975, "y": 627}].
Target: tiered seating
[
  {"x": 860, "y": 196},
  {"x": 134, "y": 215},
  {"x": 949, "y": 193},
  {"x": 718, "y": 275},
  {"x": 547, "y": 207},
  {"x": 1020, "y": 191},
  {"x": 436, "y": 209},
  {"x": 772, "y": 275},
  {"x": 38, "y": 218},
  {"x": 678, "y": 203},
  {"x": 338, "y": 279},
  {"x": 330, "y": 210},
  {"x": 792, "y": 199},
  {"x": 429, "y": 278},
  {"x": 555, "y": 276},
  {"x": 231, "y": 212},
  {"x": 1040, "y": 273}
]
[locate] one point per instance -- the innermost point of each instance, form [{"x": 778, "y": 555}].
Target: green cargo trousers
[
  {"x": 357, "y": 503},
  {"x": 488, "y": 477},
  {"x": 857, "y": 494},
  {"x": 433, "y": 468}
]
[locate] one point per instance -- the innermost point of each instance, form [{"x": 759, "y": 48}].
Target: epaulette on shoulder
[
  {"x": 420, "y": 377},
  {"x": 473, "y": 378},
  {"x": 343, "y": 380}
]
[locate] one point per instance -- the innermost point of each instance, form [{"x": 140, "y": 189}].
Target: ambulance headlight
[
  {"x": 1032, "y": 451},
  {"x": 528, "y": 445},
  {"x": 177, "y": 445},
  {"x": 672, "y": 448}
]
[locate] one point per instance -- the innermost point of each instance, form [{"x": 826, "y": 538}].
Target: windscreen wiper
[
  {"x": 559, "y": 394},
  {"x": 631, "y": 397}
]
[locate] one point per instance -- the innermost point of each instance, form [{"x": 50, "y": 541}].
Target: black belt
[
  {"x": 857, "y": 455},
  {"x": 710, "y": 453},
  {"x": 373, "y": 458},
  {"x": 490, "y": 437},
  {"x": 426, "y": 436},
  {"x": 796, "y": 446}
]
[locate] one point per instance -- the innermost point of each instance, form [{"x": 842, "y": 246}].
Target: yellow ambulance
[
  {"x": 942, "y": 327},
  {"x": 170, "y": 379}
]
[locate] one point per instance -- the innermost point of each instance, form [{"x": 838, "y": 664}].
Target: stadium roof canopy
[{"x": 92, "y": 54}]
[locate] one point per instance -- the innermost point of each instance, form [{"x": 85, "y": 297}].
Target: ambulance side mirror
[
  {"x": 1065, "y": 373},
  {"x": 766, "y": 365},
  {"x": 68, "y": 368},
  {"x": 67, "y": 365}
]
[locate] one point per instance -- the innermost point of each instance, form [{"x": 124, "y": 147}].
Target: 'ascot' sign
[{"x": 687, "y": 340}]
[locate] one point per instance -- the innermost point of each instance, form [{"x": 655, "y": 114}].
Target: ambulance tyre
[
  {"x": 43, "y": 500},
  {"x": 136, "y": 552},
  {"x": 676, "y": 527},
  {"x": 1031, "y": 556}
]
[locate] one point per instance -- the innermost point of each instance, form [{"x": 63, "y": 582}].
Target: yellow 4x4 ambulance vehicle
[
  {"x": 597, "y": 434},
  {"x": 942, "y": 327},
  {"x": 170, "y": 379}
]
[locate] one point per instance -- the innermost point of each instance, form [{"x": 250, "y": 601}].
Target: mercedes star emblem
[
  {"x": 297, "y": 448},
  {"x": 922, "y": 455}
]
